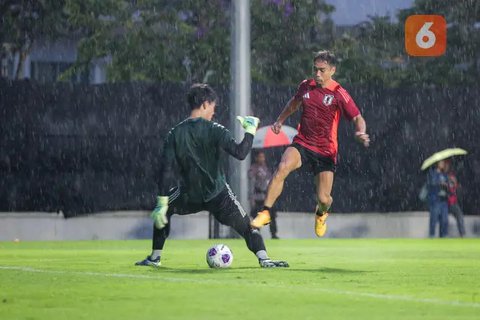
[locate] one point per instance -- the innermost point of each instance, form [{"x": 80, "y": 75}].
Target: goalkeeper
[{"x": 195, "y": 147}]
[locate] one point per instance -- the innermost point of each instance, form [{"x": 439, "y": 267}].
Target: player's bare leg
[
  {"x": 291, "y": 160},
  {"x": 324, "y": 184}
]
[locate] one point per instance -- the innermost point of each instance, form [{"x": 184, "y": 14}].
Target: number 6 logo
[{"x": 425, "y": 35}]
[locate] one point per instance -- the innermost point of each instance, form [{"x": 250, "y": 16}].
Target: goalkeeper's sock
[
  {"x": 155, "y": 254},
  {"x": 262, "y": 255}
]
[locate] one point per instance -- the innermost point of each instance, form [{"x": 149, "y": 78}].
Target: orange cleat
[
  {"x": 262, "y": 219},
  {"x": 321, "y": 224}
]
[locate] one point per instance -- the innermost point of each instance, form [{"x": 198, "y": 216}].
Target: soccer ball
[{"x": 219, "y": 256}]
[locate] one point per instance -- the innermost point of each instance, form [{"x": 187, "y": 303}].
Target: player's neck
[
  {"x": 196, "y": 113},
  {"x": 327, "y": 83}
]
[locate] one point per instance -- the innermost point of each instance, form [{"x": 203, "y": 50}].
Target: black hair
[
  {"x": 258, "y": 152},
  {"x": 199, "y": 93},
  {"x": 327, "y": 56}
]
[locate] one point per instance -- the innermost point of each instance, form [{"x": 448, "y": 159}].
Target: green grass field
[{"x": 328, "y": 279}]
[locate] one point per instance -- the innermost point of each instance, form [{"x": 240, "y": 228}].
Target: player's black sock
[
  {"x": 254, "y": 240},
  {"x": 266, "y": 208},
  {"x": 159, "y": 236}
]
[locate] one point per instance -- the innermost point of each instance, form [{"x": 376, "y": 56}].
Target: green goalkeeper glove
[
  {"x": 249, "y": 123},
  {"x": 159, "y": 214}
]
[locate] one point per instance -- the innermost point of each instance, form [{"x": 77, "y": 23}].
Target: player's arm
[
  {"x": 351, "y": 112},
  {"x": 292, "y": 105},
  {"x": 361, "y": 130},
  {"x": 165, "y": 181},
  {"x": 239, "y": 150}
]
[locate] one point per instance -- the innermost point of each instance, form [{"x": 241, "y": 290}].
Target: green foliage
[
  {"x": 154, "y": 40},
  {"x": 285, "y": 34},
  {"x": 374, "y": 52},
  {"x": 189, "y": 40},
  {"x": 24, "y": 22},
  {"x": 460, "y": 64},
  {"x": 369, "y": 54}
]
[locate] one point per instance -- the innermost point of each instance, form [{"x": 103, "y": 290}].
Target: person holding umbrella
[{"x": 437, "y": 188}]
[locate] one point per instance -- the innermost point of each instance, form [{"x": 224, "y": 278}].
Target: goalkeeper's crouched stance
[{"x": 194, "y": 149}]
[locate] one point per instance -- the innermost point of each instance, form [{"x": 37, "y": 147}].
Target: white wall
[{"x": 137, "y": 225}]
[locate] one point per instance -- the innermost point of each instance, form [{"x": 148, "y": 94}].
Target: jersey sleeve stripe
[{"x": 344, "y": 94}]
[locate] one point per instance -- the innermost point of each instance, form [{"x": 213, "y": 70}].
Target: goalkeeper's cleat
[
  {"x": 281, "y": 263},
  {"x": 321, "y": 223},
  {"x": 268, "y": 263},
  {"x": 262, "y": 219},
  {"x": 148, "y": 262}
]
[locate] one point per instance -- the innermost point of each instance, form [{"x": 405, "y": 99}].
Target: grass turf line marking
[{"x": 175, "y": 279}]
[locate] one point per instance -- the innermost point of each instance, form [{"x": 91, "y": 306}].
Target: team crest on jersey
[
  {"x": 306, "y": 96},
  {"x": 328, "y": 99}
]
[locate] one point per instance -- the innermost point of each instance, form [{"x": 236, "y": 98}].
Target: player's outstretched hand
[
  {"x": 276, "y": 127},
  {"x": 159, "y": 214},
  {"x": 363, "y": 138},
  {"x": 249, "y": 123}
]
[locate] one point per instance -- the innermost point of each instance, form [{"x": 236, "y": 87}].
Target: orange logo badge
[{"x": 425, "y": 35}]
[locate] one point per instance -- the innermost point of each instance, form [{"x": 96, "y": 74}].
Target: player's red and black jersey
[
  {"x": 195, "y": 148},
  {"x": 322, "y": 109}
]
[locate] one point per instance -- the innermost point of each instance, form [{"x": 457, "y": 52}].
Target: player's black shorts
[
  {"x": 315, "y": 162},
  {"x": 224, "y": 207}
]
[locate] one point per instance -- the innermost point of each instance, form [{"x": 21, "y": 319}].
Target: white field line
[{"x": 204, "y": 281}]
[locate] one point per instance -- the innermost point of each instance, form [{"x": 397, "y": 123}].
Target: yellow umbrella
[{"x": 442, "y": 155}]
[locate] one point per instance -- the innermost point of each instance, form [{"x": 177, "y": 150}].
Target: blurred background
[{"x": 89, "y": 88}]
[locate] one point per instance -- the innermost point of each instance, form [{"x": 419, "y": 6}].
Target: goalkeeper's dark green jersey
[{"x": 196, "y": 147}]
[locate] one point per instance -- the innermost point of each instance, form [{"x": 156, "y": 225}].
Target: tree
[
  {"x": 460, "y": 64},
  {"x": 165, "y": 40},
  {"x": 154, "y": 40},
  {"x": 22, "y": 22},
  {"x": 374, "y": 52},
  {"x": 284, "y": 36},
  {"x": 160, "y": 40}
]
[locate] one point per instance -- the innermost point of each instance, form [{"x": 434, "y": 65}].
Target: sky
[{"x": 350, "y": 12}]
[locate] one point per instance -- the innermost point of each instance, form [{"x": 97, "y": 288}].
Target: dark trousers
[
  {"x": 224, "y": 207},
  {"x": 458, "y": 214},
  {"x": 273, "y": 214},
  {"x": 438, "y": 214}
]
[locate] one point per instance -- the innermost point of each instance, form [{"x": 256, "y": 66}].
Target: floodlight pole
[{"x": 240, "y": 93}]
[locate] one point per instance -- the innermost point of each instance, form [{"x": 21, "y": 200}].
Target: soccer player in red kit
[{"x": 323, "y": 102}]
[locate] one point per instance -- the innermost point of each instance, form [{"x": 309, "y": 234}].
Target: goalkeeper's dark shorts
[{"x": 224, "y": 207}]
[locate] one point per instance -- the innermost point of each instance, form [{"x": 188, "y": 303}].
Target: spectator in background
[
  {"x": 259, "y": 177},
  {"x": 437, "y": 186},
  {"x": 453, "y": 206}
]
